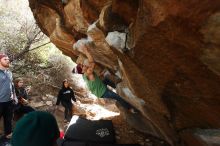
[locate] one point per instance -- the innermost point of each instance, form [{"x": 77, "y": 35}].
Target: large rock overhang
[{"x": 171, "y": 63}]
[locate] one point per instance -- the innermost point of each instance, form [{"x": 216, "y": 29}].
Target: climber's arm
[{"x": 89, "y": 56}]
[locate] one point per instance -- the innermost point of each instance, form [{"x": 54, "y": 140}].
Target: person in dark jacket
[
  {"x": 20, "y": 90},
  {"x": 65, "y": 95},
  {"x": 22, "y": 106}
]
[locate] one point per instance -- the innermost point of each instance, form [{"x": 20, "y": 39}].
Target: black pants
[
  {"x": 20, "y": 110},
  {"x": 6, "y": 110},
  {"x": 107, "y": 81},
  {"x": 68, "y": 109}
]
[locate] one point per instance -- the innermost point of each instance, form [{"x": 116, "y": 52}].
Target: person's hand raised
[{"x": 84, "y": 48}]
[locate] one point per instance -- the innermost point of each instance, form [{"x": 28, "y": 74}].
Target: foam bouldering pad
[
  {"x": 81, "y": 129},
  {"x": 64, "y": 142}
]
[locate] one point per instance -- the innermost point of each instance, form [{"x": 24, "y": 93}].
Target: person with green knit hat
[{"x": 36, "y": 129}]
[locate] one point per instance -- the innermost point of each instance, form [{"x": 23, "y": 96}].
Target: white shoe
[
  {"x": 9, "y": 136},
  {"x": 133, "y": 111}
]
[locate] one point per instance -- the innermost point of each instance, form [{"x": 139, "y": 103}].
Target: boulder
[{"x": 170, "y": 66}]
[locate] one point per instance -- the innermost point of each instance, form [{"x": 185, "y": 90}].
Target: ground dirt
[{"x": 95, "y": 110}]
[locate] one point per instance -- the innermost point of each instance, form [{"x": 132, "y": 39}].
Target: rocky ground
[
  {"x": 95, "y": 110},
  {"x": 106, "y": 109}
]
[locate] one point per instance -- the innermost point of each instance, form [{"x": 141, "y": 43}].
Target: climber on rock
[
  {"x": 104, "y": 75},
  {"x": 93, "y": 82}
]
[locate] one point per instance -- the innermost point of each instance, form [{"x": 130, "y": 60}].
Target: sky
[
  {"x": 21, "y": 7},
  {"x": 18, "y": 8}
]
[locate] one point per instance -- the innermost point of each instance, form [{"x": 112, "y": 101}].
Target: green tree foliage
[{"x": 33, "y": 57}]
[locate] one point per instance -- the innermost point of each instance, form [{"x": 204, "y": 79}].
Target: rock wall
[{"x": 170, "y": 64}]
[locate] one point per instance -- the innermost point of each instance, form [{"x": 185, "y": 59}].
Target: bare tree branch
[
  {"x": 40, "y": 46},
  {"x": 27, "y": 49}
]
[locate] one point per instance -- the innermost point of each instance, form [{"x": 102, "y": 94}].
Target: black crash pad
[
  {"x": 62, "y": 142},
  {"x": 81, "y": 129}
]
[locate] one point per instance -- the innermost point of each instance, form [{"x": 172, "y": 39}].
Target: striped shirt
[{"x": 5, "y": 85}]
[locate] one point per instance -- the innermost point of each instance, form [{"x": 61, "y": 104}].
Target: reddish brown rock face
[{"x": 171, "y": 66}]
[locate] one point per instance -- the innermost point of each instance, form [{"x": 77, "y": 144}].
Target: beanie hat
[
  {"x": 2, "y": 55},
  {"x": 77, "y": 69},
  {"x": 35, "y": 129}
]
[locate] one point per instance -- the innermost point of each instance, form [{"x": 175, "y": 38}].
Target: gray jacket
[{"x": 6, "y": 84}]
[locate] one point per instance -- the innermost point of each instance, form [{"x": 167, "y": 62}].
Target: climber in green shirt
[
  {"x": 96, "y": 86},
  {"x": 93, "y": 82}
]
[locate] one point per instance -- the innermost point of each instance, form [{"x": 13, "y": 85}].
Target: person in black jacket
[
  {"x": 22, "y": 106},
  {"x": 65, "y": 95}
]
